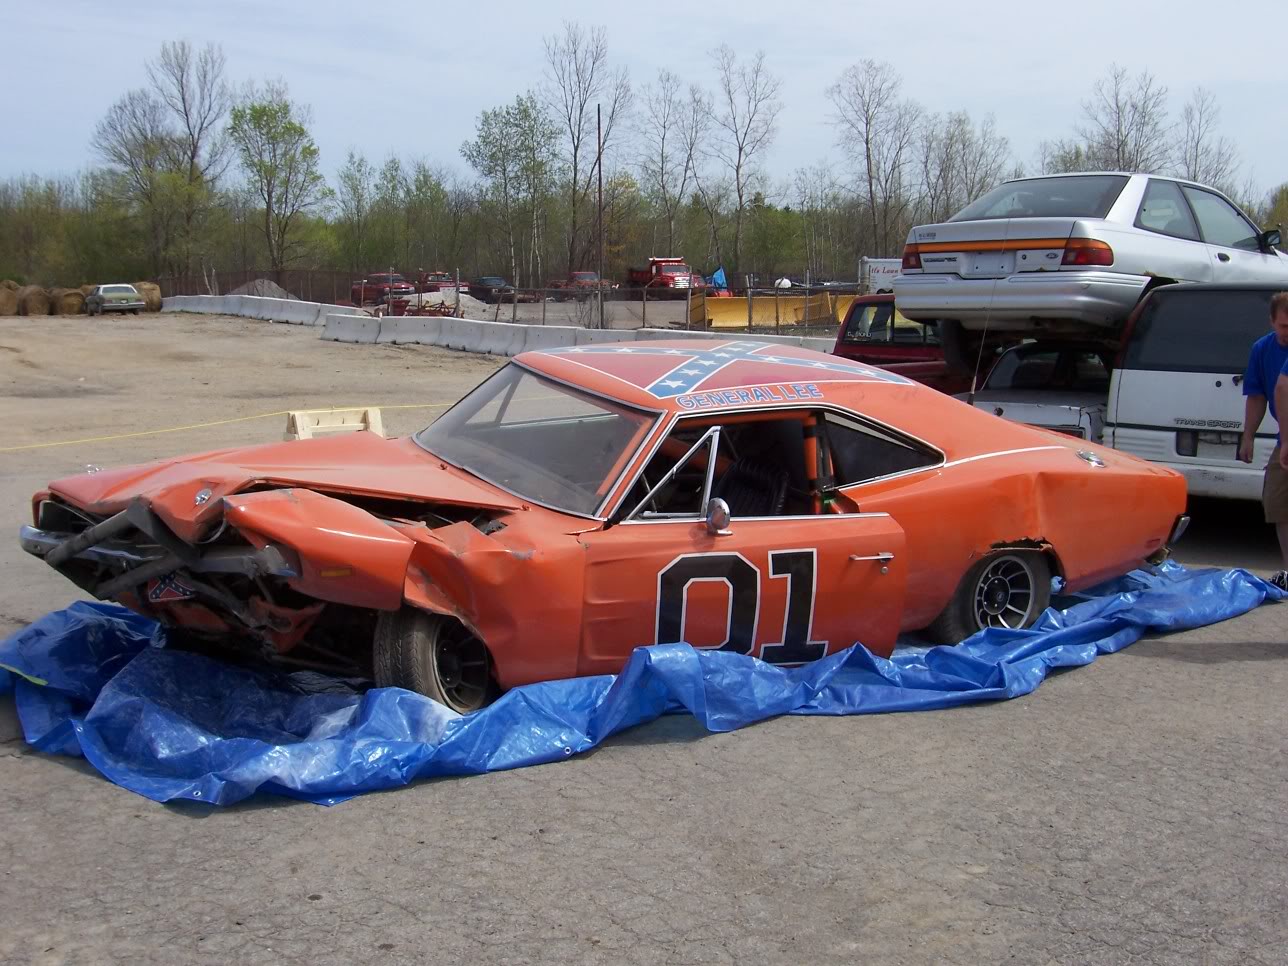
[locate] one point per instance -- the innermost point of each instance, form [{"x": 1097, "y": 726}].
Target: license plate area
[{"x": 987, "y": 264}]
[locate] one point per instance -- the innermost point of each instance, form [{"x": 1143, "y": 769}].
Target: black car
[{"x": 491, "y": 288}]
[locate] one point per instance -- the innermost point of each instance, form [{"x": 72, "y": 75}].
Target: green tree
[
  {"x": 280, "y": 162},
  {"x": 353, "y": 195}
]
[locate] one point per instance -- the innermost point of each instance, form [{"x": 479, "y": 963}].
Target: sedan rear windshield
[
  {"x": 1081, "y": 196},
  {"x": 1210, "y": 331},
  {"x": 119, "y": 290}
]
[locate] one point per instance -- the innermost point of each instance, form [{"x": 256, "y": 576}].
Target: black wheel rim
[
  {"x": 462, "y": 669},
  {"x": 1005, "y": 593}
]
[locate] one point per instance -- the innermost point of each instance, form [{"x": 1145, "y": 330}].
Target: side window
[
  {"x": 1220, "y": 222},
  {"x": 861, "y": 453},
  {"x": 1163, "y": 209}
]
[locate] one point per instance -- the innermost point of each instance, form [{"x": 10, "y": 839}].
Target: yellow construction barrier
[{"x": 765, "y": 310}]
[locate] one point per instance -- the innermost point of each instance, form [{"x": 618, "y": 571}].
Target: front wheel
[
  {"x": 1008, "y": 590},
  {"x": 435, "y": 656}
]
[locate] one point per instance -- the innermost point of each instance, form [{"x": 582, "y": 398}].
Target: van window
[{"x": 1208, "y": 331}]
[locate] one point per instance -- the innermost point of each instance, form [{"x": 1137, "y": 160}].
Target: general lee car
[{"x": 583, "y": 501}]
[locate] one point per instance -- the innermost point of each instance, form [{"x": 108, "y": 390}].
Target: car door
[
  {"x": 785, "y": 588},
  {"x": 1232, "y": 241},
  {"x": 1174, "y": 247}
]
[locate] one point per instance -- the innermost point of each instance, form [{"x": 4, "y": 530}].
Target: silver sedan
[{"x": 1075, "y": 252}]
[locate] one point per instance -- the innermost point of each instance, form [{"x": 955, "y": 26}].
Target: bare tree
[
  {"x": 1201, "y": 153},
  {"x": 880, "y": 128},
  {"x": 578, "y": 79},
  {"x": 1125, "y": 122},
  {"x": 745, "y": 122},
  {"x": 695, "y": 131},
  {"x": 135, "y": 140},
  {"x": 666, "y": 163}
]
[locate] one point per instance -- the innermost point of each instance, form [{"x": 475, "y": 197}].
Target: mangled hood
[{"x": 355, "y": 463}]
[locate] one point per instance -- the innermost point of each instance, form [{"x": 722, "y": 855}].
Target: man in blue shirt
[{"x": 1265, "y": 384}]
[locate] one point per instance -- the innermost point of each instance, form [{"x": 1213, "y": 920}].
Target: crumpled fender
[{"x": 346, "y": 555}]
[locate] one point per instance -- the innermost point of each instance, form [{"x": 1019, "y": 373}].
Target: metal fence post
[
  {"x": 644, "y": 307},
  {"x": 688, "y": 308},
  {"x": 514, "y": 307},
  {"x": 747, "y": 280},
  {"x": 544, "y": 293},
  {"x": 778, "y": 318}
]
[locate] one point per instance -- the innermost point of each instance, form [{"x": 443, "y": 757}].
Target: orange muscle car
[{"x": 583, "y": 501}]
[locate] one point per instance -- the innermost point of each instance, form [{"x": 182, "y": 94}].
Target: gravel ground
[{"x": 1129, "y": 812}]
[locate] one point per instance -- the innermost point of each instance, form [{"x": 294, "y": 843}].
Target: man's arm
[
  {"x": 1254, "y": 411},
  {"x": 1281, "y": 407}
]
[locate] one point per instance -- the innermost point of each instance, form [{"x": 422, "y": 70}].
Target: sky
[{"x": 411, "y": 78}]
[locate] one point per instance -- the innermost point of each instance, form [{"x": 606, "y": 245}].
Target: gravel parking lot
[{"x": 1129, "y": 812}]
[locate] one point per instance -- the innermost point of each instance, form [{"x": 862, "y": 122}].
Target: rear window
[
  {"x": 1198, "y": 331},
  {"x": 119, "y": 290},
  {"x": 1065, "y": 368},
  {"x": 1082, "y": 196}
]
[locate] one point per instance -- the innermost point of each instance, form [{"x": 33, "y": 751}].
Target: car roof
[{"x": 706, "y": 374}]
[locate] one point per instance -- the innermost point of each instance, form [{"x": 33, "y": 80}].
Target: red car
[{"x": 876, "y": 333}]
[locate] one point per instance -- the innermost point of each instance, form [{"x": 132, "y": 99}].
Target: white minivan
[{"x": 1176, "y": 397}]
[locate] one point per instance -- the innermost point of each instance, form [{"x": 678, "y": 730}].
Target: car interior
[{"x": 784, "y": 463}]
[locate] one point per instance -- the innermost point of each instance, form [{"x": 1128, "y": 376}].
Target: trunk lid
[{"x": 993, "y": 247}]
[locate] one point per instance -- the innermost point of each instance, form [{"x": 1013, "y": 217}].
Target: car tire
[
  {"x": 1010, "y": 588},
  {"x": 435, "y": 656}
]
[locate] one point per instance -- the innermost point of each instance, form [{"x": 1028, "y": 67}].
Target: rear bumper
[
  {"x": 123, "y": 306},
  {"x": 1015, "y": 302}
]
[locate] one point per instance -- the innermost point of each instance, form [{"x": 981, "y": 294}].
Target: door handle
[
  {"x": 884, "y": 557},
  {"x": 1222, "y": 256}
]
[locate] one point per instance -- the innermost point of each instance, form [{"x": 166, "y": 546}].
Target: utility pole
[{"x": 599, "y": 229}]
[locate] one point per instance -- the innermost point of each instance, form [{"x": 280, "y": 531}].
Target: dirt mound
[
  {"x": 8, "y": 301},
  {"x": 33, "y": 300},
  {"x": 9, "y": 284},
  {"x": 151, "y": 293},
  {"x": 264, "y": 288},
  {"x": 66, "y": 301}
]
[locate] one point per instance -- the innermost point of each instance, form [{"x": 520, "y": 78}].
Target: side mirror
[
  {"x": 1270, "y": 239},
  {"x": 718, "y": 517}
]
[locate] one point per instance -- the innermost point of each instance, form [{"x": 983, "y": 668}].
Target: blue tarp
[{"x": 96, "y": 680}]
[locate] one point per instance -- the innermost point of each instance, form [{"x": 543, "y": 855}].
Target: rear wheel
[
  {"x": 435, "y": 656},
  {"x": 1004, "y": 590}
]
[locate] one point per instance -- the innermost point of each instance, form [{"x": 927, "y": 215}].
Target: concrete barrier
[
  {"x": 351, "y": 328},
  {"x": 295, "y": 312},
  {"x": 539, "y": 337}
]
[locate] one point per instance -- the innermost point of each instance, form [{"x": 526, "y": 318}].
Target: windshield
[
  {"x": 539, "y": 439},
  {"x": 1081, "y": 196},
  {"x": 675, "y": 269},
  {"x": 390, "y": 279},
  {"x": 1055, "y": 368},
  {"x": 491, "y": 280}
]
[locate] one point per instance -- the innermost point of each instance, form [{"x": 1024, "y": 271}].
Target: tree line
[{"x": 195, "y": 174}]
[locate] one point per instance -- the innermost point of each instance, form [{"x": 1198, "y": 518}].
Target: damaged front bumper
[{"x": 121, "y": 561}]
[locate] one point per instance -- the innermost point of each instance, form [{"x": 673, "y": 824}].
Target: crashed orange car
[{"x": 584, "y": 501}]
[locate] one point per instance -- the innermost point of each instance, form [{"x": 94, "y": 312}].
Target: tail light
[
  {"x": 1187, "y": 442},
  {"x": 1087, "y": 251},
  {"x": 911, "y": 258}
]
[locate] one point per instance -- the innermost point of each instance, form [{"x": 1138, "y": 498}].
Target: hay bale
[
  {"x": 33, "y": 300},
  {"x": 151, "y": 293},
  {"x": 66, "y": 301},
  {"x": 8, "y": 301},
  {"x": 10, "y": 284},
  {"x": 86, "y": 290}
]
